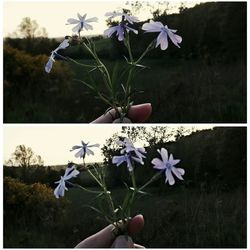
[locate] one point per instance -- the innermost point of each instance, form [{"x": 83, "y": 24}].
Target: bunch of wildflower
[
  {"x": 129, "y": 155},
  {"x": 118, "y": 92}
]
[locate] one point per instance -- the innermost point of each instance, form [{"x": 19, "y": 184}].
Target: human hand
[
  {"x": 107, "y": 239},
  {"x": 137, "y": 113}
]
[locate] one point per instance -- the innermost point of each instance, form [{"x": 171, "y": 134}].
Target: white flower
[
  {"x": 165, "y": 32},
  {"x": 82, "y": 22},
  {"x": 118, "y": 160},
  {"x": 71, "y": 172},
  {"x": 120, "y": 31},
  {"x": 168, "y": 164},
  {"x": 131, "y": 19},
  {"x": 49, "y": 64},
  {"x": 84, "y": 149}
]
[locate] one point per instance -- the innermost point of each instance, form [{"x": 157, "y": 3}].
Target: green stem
[
  {"x": 85, "y": 189},
  {"x": 131, "y": 200},
  {"x": 106, "y": 76},
  {"x": 150, "y": 47},
  {"x": 81, "y": 64},
  {"x": 127, "y": 44},
  {"x": 154, "y": 178},
  {"x": 106, "y": 192},
  {"x": 101, "y": 64},
  {"x": 94, "y": 177}
]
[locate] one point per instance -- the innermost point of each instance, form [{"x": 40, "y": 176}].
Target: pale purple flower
[
  {"x": 129, "y": 147},
  {"x": 84, "y": 149},
  {"x": 49, "y": 64},
  {"x": 129, "y": 153},
  {"x": 168, "y": 165},
  {"x": 81, "y": 23},
  {"x": 165, "y": 32},
  {"x": 118, "y": 160},
  {"x": 71, "y": 172},
  {"x": 131, "y": 19},
  {"x": 120, "y": 31}
]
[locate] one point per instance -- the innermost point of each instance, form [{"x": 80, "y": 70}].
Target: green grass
[
  {"x": 184, "y": 91},
  {"x": 179, "y": 217}
]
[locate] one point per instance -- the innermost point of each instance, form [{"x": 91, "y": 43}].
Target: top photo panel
[{"x": 124, "y": 62}]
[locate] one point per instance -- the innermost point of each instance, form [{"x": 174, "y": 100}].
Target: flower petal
[
  {"x": 158, "y": 163},
  {"x": 64, "y": 44},
  {"x": 172, "y": 161},
  {"x": 162, "y": 39},
  {"x": 87, "y": 26},
  {"x": 120, "y": 33},
  {"x": 131, "y": 29},
  {"x": 68, "y": 170},
  {"x": 72, "y": 174},
  {"x": 129, "y": 164},
  {"x": 92, "y": 19},
  {"x": 181, "y": 171},
  {"x": 72, "y": 21},
  {"x": 118, "y": 160},
  {"x": 75, "y": 147},
  {"x": 109, "y": 32},
  {"x": 177, "y": 173},
  {"x": 164, "y": 155},
  {"x": 60, "y": 189},
  {"x": 49, "y": 65},
  {"x": 77, "y": 28},
  {"x": 81, "y": 18},
  {"x": 131, "y": 19},
  {"x": 94, "y": 145},
  {"x": 175, "y": 38},
  {"x": 89, "y": 152},
  {"x": 152, "y": 26},
  {"x": 80, "y": 153},
  {"x": 139, "y": 160},
  {"x": 169, "y": 177}
]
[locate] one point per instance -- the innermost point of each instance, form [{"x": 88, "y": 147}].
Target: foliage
[
  {"x": 29, "y": 29},
  {"x": 35, "y": 46},
  {"x": 24, "y": 157},
  {"x": 181, "y": 218},
  {"x": 206, "y": 30},
  {"x": 27, "y": 88},
  {"x": 205, "y": 81},
  {"x": 28, "y": 208},
  {"x": 204, "y": 155},
  {"x": 33, "y": 174}
]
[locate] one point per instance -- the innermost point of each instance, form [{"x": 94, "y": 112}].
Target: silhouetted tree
[
  {"x": 29, "y": 29},
  {"x": 24, "y": 157}
]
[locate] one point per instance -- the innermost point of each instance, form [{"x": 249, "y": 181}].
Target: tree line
[
  {"x": 213, "y": 158},
  {"x": 213, "y": 31}
]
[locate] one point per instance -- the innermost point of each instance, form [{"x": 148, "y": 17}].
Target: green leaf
[{"x": 86, "y": 84}]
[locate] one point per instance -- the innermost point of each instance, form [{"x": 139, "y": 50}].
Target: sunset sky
[{"x": 53, "y": 15}]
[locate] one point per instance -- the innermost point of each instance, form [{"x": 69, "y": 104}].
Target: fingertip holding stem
[
  {"x": 136, "y": 225},
  {"x": 140, "y": 113},
  {"x": 137, "y": 114}
]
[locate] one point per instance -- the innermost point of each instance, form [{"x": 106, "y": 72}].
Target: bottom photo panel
[{"x": 102, "y": 186}]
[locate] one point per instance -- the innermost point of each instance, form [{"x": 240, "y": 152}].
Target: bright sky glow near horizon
[
  {"x": 53, "y": 142},
  {"x": 53, "y": 15}
]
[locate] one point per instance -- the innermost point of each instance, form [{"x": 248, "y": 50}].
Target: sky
[
  {"x": 53, "y": 142},
  {"x": 53, "y": 15}
]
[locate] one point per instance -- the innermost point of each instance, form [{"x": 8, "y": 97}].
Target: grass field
[
  {"x": 182, "y": 91},
  {"x": 177, "y": 217}
]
